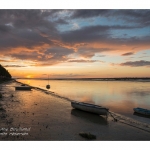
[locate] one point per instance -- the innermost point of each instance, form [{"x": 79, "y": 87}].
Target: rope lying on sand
[
  {"x": 112, "y": 116},
  {"x": 130, "y": 122}
]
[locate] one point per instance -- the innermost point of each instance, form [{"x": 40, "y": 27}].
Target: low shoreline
[
  {"x": 46, "y": 92},
  {"x": 53, "y": 119},
  {"x": 121, "y": 78}
]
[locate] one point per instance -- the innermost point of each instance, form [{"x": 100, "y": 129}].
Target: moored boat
[
  {"x": 90, "y": 108},
  {"x": 142, "y": 111}
]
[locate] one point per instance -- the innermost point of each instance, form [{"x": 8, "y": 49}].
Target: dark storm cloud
[
  {"x": 127, "y": 54},
  {"x": 85, "y": 13},
  {"x": 50, "y": 57},
  {"x": 141, "y": 16},
  {"x": 61, "y": 21},
  {"x": 25, "y": 55},
  {"x": 136, "y": 63},
  {"x": 22, "y": 38},
  {"x": 25, "y": 29},
  {"x": 13, "y": 66},
  {"x": 84, "y": 61},
  {"x": 91, "y": 33},
  {"x": 4, "y": 29},
  {"x": 27, "y": 17},
  {"x": 28, "y": 28},
  {"x": 90, "y": 52},
  {"x": 58, "y": 52},
  {"x": 143, "y": 40},
  {"x": 138, "y": 16},
  {"x": 33, "y": 34}
]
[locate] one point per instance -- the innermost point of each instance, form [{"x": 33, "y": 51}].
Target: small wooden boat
[
  {"x": 23, "y": 88},
  {"x": 142, "y": 111},
  {"x": 90, "y": 108}
]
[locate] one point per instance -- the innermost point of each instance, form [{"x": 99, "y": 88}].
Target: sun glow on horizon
[{"x": 28, "y": 76}]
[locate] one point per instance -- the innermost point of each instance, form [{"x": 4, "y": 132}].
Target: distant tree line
[{"x": 4, "y": 74}]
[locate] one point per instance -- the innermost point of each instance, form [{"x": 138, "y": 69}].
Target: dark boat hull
[
  {"x": 23, "y": 88},
  {"x": 142, "y": 111}
]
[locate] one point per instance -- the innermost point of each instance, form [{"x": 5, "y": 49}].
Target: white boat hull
[{"x": 90, "y": 108}]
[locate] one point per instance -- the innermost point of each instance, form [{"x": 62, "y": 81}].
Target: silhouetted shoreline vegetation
[{"x": 4, "y": 74}]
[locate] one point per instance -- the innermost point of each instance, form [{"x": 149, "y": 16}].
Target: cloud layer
[
  {"x": 49, "y": 37},
  {"x": 136, "y": 63}
]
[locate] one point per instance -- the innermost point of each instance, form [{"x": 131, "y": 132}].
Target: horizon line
[{"x": 86, "y": 78}]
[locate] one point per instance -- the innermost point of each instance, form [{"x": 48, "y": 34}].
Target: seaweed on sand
[
  {"x": 2, "y": 109},
  {"x": 3, "y": 116},
  {"x": 87, "y": 135},
  {"x": 1, "y": 95}
]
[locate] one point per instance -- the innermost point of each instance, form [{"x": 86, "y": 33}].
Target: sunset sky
[{"x": 76, "y": 43}]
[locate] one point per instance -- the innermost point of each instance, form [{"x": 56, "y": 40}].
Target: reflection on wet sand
[
  {"x": 119, "y": 96},
  {"x": 123, "y": 107},
  {"x": 94, "y": 118}
]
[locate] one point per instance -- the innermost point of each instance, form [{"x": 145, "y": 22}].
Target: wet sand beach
[{"x": 37, "y": 115}]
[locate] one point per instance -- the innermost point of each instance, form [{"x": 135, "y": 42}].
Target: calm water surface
[{"x": 119, "y": 96}]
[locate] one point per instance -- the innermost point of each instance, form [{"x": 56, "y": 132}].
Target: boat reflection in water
[{"x": 90, "y": 117}]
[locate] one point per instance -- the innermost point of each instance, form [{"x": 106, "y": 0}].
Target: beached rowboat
[
  {"x": 142, "y": 111},
  {"x": 23, "y": 88},
  {"x": 90, "y": 108}
]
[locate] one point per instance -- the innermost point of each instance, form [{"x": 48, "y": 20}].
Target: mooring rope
[
  {"x": 130, "y": 122},
  {"x": 112, "y": 116}
]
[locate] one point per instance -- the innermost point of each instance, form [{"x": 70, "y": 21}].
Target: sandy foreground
[{"x": 37, "y": 115}]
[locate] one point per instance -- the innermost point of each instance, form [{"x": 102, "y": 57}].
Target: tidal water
[{"x": 119, "y": 96}]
